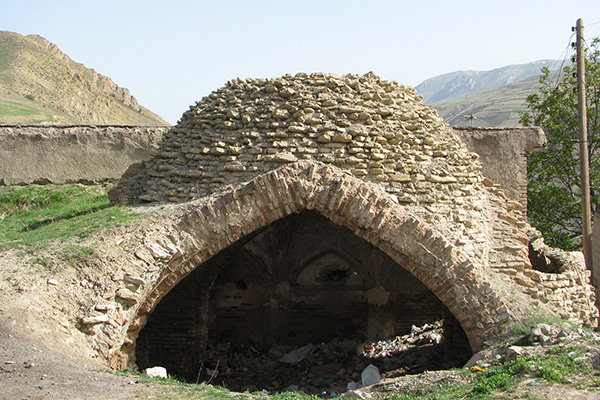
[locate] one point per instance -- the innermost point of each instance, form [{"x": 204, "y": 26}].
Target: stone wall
[
  {"x": 156, "y": 259},
  {"x": 75, "y": 153}
]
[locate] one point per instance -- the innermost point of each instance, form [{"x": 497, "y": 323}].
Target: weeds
[
  {"x": 75, "y": 254},
  {"x": 33, "y": 216}
]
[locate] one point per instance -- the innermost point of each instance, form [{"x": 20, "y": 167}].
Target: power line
[{"x": 565, "y": 55}]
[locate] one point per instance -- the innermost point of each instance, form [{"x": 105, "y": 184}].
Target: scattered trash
[
  {"x": 298, "y": 355},
  {"x": 353, "y": 385},
  {"x": 475, "y": 368},
  {"x": 335, "y": 366},
  {"x": 156, "y": 372}
]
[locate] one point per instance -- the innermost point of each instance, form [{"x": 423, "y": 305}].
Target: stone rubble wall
[
  {"x": 561, "y": 281},
  {"x": 74, "y": 153},
  {"x": 193, "y": 232}
]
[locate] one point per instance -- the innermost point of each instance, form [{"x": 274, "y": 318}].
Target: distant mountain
[
  {"x": 41, "y": 84},
  {"x": 497, "y": 107},
  {"x": 458, "y": 84}
]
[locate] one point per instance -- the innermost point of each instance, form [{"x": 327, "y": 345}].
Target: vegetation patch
[
  {"x": 13, "y": 112},
  {"x": 563, "y": 366},
  {"x": 33, "y": 216}
]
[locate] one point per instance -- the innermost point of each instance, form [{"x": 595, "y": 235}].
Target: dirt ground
[{"x": 30, "y": 370}]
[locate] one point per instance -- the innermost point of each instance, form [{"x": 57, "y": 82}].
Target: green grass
[
  {"x": 33, "y": 216},
  {"x": 500, "y": 380},
  {"x": 12, "y": 112},
  {"x": 182, "y": 390}
]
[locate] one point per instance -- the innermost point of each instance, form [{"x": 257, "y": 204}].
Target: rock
[
  {"x": 353, "y": 394},
  {"x": 546, "y": 340},
  {"x": 513, "y": 352},
  {"x": 370, "y": 375},
  {"x": 353, "y": 385},
  {"x": 285, "y": 157},
  {"x": 295, "y": 356},
  {"x": 291, "y": 388},
  {"x": 156, "y": 372},
  {"x": 281, "y": 114},
  {"x": 106, "y": 306},
  {"x": 98, "y": 319},
  {"x": 52, "y": 281},
  {"x": 541, "y": 329}
]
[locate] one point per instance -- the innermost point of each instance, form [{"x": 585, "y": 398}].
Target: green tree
[{"x": 554, "y": 200}]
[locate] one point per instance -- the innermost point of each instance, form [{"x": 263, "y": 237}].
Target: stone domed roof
[{"x": 376, "y": 129}]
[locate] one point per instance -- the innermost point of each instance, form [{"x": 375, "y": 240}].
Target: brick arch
[{"x": 211, "y": 225}]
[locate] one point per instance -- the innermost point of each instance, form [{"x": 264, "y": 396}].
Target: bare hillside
[
  {"x": 497, "y": 107},
  {"x": 58, "y": 90},
  {"x": 454, "y": 85}
]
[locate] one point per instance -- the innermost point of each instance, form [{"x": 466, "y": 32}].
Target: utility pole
[{"x": 584, "y": 165}]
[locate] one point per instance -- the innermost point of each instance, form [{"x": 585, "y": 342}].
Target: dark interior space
[{"x": 304, "y": 283}]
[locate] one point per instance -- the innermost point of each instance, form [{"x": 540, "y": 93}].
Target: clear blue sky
[{"x": 172, "y": 53}]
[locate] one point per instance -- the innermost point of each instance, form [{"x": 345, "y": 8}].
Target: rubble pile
[{"x": 330, "y": 368}]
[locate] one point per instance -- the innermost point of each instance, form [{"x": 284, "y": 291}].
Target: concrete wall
[{"x": 74, "y": 153}]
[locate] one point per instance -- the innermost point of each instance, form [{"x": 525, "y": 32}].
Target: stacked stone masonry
[{"x": 367, "y": 155}]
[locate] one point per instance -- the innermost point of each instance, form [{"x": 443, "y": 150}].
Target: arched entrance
[
  {"x": 209, "y": 228},
  {"x": 300, "y": 281}
]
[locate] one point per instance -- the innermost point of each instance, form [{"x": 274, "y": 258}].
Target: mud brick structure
[{"x": 72, "y": 153}]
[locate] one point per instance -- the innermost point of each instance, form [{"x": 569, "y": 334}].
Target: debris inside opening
[{"x": 303, "y": 304}]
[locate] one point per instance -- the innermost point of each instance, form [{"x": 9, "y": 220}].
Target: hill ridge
[
  {"x": 457, "y": 84},
  {"x": 67, "y": 91}
]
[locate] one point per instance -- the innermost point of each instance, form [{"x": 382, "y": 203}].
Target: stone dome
[{"x": 377, "y": 130}]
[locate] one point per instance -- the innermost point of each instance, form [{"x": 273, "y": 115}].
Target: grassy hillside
[
  {"x": 15, "y": 109},
  {"x": 493, "y": 108},
  {"x": 59, "y": 90},
  {"x": 33, "y": 216}
]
